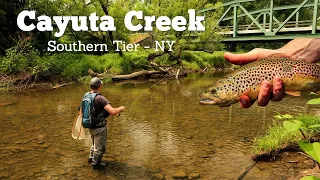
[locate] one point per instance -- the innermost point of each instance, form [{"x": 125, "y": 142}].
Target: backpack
[{"x": 87, "y": 109}]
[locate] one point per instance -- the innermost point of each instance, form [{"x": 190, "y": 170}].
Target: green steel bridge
[{"x": 264, "y": 25}]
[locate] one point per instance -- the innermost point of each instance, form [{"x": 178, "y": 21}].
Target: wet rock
[
  {"x": 157, "y": 176},
  {"x": 176, "y": 163},
  {"x": 18, "y": 142},
  {"x": 37, "y": 171},
  {"x": 179, "y": 175},
  {"x": 14, "y": 151},
  {"x": 194, "y": 176},
  {"x": 206, "y": 156},
  {"x": 40, "y": 142},
  {"x": 132, "y": 176},
  {"x": 41, "y": 136},
  {"x": 4, "y": 176},
  {"x": 44, "y": 146}
]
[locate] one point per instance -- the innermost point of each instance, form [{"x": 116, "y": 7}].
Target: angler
[{"x": 94, "y": 109}]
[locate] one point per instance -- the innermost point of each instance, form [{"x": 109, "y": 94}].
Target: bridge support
[
  {"x": 271, "y": 17},
  {"x": 235, "y": 21},
  {"x": 315, "y": 15}
]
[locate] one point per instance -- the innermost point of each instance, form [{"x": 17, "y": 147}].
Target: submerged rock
[
  {"x": 179, "y": 175},
  {"x": 157, "y": 176},
  {"x": 194, "y": 175}
]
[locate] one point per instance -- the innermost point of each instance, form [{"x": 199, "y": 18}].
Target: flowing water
[{"x": 167, "y": 131}]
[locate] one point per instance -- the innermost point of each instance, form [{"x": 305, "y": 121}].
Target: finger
[
  {"x": 240, "y": 59},
  {"x": 264, "y": 94},
  {"x": 253, "y": 55},
  {"x": 277, "y": 89},
  {"x": 245, "y": 101}
]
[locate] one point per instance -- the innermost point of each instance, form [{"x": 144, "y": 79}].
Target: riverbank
[
  {"x": 290, "y": 142},
  {"x": 23, "y": 71}
]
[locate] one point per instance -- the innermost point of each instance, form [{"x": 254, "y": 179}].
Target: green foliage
[
  {"x": 9, "y": 10},
  {"x": 292, "y": 125},
  {"x": 196, "y": 60},
  {"x": 277, "y": 137},
  {"x": 22, "y": 58},
  {"x": 310, "y": 178},
  {"x": 312, "y": 149},
  {"x": 314, "y": 101},
  {"x": 281, "y": 135},
  {"x": 71, "y": 66}
]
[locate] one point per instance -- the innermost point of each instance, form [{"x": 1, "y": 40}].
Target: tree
[{"x": 9, "y": 10}]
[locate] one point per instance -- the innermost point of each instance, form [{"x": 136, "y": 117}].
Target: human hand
[
  {"x": 122, "y": 108},
  {"x": 266, "y": 88},
  {"x": 307, "y": 49}
]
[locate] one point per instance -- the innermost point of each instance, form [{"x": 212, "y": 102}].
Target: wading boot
[
  {"x": 89, "y": 160},
  {"x": 100, "y": 165}
]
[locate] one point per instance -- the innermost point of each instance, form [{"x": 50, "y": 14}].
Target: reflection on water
[{"x": 166, "y": 131}]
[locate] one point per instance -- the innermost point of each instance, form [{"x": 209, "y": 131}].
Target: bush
[
  {"x": 204, "y": 59},
  {"x": 72, "y": 66}
]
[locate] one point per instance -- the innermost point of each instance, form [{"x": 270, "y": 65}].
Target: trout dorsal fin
[
  {"x": 278, "y": 56},
  {"x": 293, "y": 93}
]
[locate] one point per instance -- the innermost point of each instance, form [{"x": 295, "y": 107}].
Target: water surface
[{"x": 165, "y": 132}]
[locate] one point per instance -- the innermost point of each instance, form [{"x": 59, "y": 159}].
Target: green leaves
[
  {"x": 312, "y": 149},
  {"x": 314, "y": 101},
  {"x": 310, "y": 178},
  {"x": 314, "y": 126},
  {"x": 292, "y": 125}
]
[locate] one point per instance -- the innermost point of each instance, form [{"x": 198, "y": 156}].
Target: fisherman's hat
[{"x": 95, "y": 82}]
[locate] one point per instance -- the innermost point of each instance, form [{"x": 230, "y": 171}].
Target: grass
[{"x": 278, "y": 137}]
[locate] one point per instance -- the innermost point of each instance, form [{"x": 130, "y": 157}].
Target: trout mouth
[{"x": 206, "y": 101}]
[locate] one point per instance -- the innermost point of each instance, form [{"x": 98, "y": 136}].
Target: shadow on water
[
  {"x": 123, "y": 171},
  {"x": 166, "y": 132}
]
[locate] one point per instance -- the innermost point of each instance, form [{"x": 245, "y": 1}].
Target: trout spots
[
  {"x": 287, "y": 68},
  {"x": 250, "y": 77}
]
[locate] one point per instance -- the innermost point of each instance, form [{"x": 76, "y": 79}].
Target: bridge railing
[{"x": 270, "y": 25}]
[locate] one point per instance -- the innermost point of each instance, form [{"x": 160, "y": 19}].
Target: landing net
[{"x": 78, "y": 132}]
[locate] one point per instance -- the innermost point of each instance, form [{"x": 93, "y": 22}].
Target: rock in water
[
  {"x": 179, "y": 175},
  {"x": 158, "y": 176},
  {"x": 194, "y": 175}
]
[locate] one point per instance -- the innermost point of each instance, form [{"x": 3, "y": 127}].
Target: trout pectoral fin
[{"x": 293, "y": 93}]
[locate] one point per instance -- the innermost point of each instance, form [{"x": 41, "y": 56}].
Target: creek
[{"x": 167, "y": 131}]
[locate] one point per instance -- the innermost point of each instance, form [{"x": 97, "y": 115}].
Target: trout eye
[{"x": 213, "y": 91}]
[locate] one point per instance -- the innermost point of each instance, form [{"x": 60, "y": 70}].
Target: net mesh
[{"x": 78, "y": 132}]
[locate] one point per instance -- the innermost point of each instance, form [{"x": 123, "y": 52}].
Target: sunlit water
[{"x": 166, "y": 131}]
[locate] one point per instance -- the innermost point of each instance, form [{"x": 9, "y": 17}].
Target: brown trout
[{"x": 297, "y": 76}]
